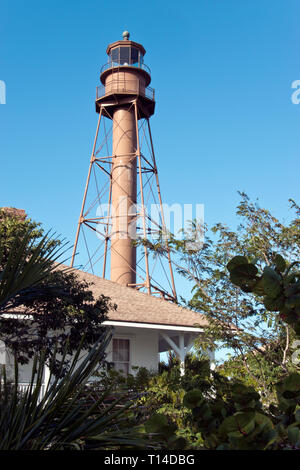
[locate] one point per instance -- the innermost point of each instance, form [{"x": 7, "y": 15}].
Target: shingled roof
[{"x": 138, "y": 307}]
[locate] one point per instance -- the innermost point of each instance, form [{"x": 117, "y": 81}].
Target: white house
[{"x": 143, "y": 327}]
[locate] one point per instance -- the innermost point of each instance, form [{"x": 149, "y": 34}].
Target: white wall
[
  {"x": 25, "y": 370},
  {"x": 143, "y": 351},
  {"x": 143, "y": 346}
]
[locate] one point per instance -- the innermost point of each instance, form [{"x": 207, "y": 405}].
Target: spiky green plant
[
  {"x": 61, "y": 417},
  {"x": 25, "y": 267},
  {"x": 58, "y": 417}
]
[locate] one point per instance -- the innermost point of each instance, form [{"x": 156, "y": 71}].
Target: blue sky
[{"x": 224, "y": 120}]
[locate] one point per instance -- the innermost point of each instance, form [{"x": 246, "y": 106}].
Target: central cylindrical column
[{"x": 123, "y": 253}]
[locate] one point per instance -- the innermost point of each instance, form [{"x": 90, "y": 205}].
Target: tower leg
[
  {"x": 147, "y": 281},
  {"x": 162, "y": 212},
  {"x": 85, "y": 191}
]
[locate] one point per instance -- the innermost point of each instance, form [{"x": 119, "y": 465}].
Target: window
[
  {"x": 121, "y": 355},
  {"x": 134, "y": 56},
  {"x": 126, "y": 56},
  {"x": 115, "y": 55}
]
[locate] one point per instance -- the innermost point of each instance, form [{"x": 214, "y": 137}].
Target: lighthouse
[{"x": 126, "y": 101}]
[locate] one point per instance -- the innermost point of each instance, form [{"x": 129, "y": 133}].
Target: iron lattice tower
[{"x": 122, "y": 181}]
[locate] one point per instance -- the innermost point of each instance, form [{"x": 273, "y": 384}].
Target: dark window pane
[
  {"x": 134, "y": 55},
  {"x": 120, "y": 349},
  {"x": 115, "y": 55},
  {"x": 124, "y": 55}
]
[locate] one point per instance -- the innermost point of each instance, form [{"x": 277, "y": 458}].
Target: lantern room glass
[{"x": 131, "y": 56}]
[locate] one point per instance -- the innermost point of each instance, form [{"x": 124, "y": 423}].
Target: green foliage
[
  {"x": 240, "y": 369},
  {"x": 238, "y": 421},
  {"x": 206, "y": 410},
  {"x": 278, "y": 285},
  {"x": 219, "y": 414},
  {"x": 243, "y": 281},
  {"x": 23, "y": 267},
  {"x": 161, "y": 394},
  {"x": 248, "y": 426},
  {"x": 63, "y": 417},
  {"x": 258, "y": 254},
  {"x": 116, "y": 381},
  {"x": 12, "y": 230},
  {"x": 53, "y": 307},
  {"x": 68, "y": 414},
  {"x": 236, "y": 418}
]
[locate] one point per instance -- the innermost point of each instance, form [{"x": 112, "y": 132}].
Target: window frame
[{"x": 126, "y": 338}]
